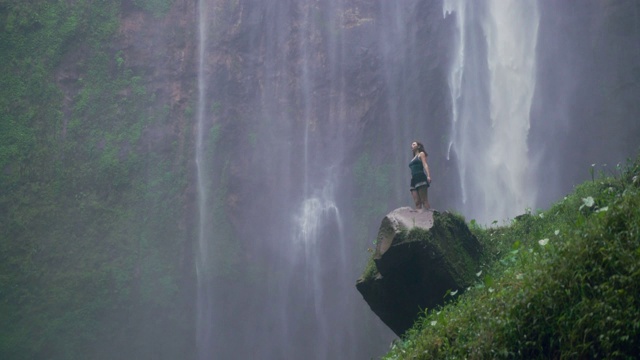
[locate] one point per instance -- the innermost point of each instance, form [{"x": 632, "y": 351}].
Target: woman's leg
[
  {"x": 423, "y": 194},
  {"x": 416, "y": 199}
]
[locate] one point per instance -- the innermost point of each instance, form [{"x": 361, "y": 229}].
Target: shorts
[{"x": 418, "y": 180}]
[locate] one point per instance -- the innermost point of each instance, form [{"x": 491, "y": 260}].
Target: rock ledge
[{"x": 418, "y": 257}]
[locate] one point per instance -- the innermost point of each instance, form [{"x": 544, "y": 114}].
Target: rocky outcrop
[{"x": 418, "y": 257}]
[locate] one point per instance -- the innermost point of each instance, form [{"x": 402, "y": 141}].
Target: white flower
[
  {"x": 557, "y": 232},
  {"x": 588, "y": 202},
  {"x": 433, "y": 323},
  {"x": 543, "y": 242},
  {"x": 479, "y": 273}
]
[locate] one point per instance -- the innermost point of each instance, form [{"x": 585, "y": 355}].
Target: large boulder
[{"x": 418, "y": 257}]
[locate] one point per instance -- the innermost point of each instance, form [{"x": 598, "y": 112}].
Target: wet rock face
[{"x": 419, "y": 256}]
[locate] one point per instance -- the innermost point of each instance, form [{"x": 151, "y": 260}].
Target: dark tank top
[{"x": 416, "y": 166}]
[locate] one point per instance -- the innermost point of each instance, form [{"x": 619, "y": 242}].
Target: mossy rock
[{"x": 418, "y": 258}]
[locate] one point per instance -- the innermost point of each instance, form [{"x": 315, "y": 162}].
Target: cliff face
[{"x": 95, "y": 160}]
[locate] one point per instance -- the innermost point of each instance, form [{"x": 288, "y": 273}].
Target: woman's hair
[{"x": 420, "y": 148}]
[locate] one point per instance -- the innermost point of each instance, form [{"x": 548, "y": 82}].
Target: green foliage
[
  {"x": 370, "y": 269},
  {"x": 33, "y": 37},
  {"x": 90, "y": 240},
  {"x": 562, "y": 283}
]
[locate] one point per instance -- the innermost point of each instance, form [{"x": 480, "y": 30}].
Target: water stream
[
  {"x": 204, "y": 304},
  {"x": 492, "y": 83},
  {"x": 301, "y": 301}
]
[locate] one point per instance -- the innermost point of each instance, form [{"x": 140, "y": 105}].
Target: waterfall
[
  {"x": 319, "y": 221},
  {"x": 290, "y": 293},
  {"x": 491, "y": 83},
  {"x": 314, "y": 306},
  {"x": 204, "y": 303}
]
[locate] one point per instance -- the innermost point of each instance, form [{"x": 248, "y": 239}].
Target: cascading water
[
  {"x": 301, "y": 301},
  {"x": 492, "y": 82},
  {"x": 315, "y": 308},
  {"x": 204, "y": 304},
  {"x": 319, "y": 249},
  {"x": 318, "y": 221}
]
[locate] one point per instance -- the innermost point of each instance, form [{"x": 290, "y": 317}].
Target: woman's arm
[{"x": 423, "y": 157}]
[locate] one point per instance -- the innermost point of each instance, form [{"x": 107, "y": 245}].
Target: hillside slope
[{"x": 560, "y": 283}]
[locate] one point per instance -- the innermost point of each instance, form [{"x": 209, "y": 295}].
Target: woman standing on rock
[{"x": 420, "y": 176}]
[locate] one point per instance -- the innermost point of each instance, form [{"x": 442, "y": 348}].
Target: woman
[{"x": 420, "y": 176}]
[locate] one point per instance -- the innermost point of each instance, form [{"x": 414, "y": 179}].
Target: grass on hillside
[{"x": 562, "y": 283}]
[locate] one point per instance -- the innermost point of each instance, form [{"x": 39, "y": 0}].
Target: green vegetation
[
  {"x": 92, "y": 243},
  {"x": 370, "y": 269},
  {"x": 561, "y": 283}
]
